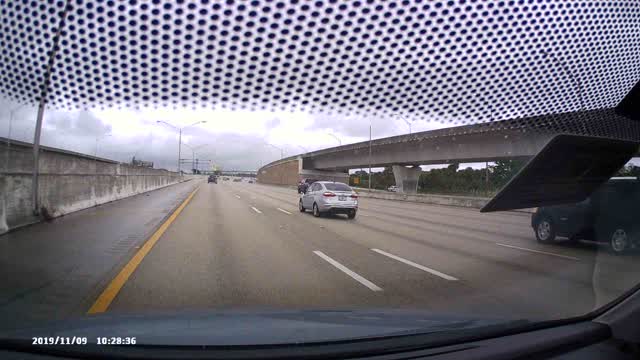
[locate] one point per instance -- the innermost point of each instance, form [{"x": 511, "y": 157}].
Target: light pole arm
[
  {"x": 195, "y": 123},
  {"x": 166, "y": 123},
  {"x": 279, "y": 148},
  {"x": 335, "y": 137}
]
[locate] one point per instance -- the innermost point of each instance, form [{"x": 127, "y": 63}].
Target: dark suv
[
  {"x": 610, "y": 215},
  {"x": 212, "y": 179},
  {"x": 304, "y": 184}
]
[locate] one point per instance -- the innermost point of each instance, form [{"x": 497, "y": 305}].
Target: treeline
[
  {"x": 449, "y": 180},
  {"x": 453, "y": 180},
  {"x": 629, "y": 170}
]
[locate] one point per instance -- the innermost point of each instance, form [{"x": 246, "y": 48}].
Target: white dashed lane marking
[
  {"x": 415, "y": 265},
  {"x": 539, "y": 252},
  {"x": 256, "y": 210},
  {"x": 346, "y": 270}
]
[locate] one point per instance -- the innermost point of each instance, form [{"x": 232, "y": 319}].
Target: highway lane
[
  {"x": 54, "y": 270},
  {"x": 611, "y": 274},
  {"x": 246, "y": 245}
]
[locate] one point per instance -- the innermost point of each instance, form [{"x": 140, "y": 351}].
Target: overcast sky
[
  {"x": 514, "y": 62},
  {"x": 231, "y": 139}
]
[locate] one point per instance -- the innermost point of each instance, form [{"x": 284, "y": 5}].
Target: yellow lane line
[{"x": 112, "y": 290}]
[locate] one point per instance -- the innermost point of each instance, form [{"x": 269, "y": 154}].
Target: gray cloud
[
  {"x": 78, "y": 130},
  {"x": 351, "y": 125},
  {"x": 272, "y": 123},
  {"x": 81, "y": 123}
]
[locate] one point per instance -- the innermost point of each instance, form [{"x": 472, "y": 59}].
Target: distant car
[
  {"x": 610, "y": 215},
  {"x": 304, "y": 184},
  {"x": 392, "y": 188},
  {"x": 251, "y": 181},
  {"x": 212, "y": 179},
  {"x": 237, "y": 180},
  {"x": 225, "y": 178},
  {"x": 327, "y": 197}
]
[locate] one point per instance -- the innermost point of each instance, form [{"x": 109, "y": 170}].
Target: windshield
[
  {"x": 337, "y": 187},
  {"x": 157, "y": 159}
]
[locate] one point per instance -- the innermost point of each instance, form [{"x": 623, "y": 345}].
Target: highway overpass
[{"x": 509, "y": 139}]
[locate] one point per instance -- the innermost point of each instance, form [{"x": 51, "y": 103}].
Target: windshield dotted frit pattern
[{"x": 457, "y": 61}]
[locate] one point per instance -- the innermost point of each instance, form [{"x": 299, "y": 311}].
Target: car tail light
[
  {"x": 354, "y": 196},
  {"x": 328, "y": 194}
]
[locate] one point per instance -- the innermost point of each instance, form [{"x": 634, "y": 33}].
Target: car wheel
[
  {"x": 300, "y": 207},
  {"x": 351, "y": 214},
  {"x": 619, "y": 240},
  {"x": 545, "y": 230},
  {"x": 316, "y": 211}
]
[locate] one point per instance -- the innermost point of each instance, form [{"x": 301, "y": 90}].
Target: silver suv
[{"x": 329, "y": 197}]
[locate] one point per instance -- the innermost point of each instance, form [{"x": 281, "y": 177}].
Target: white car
[
  {"x": 329, "y": 197},
  {"x": 392, "y": 188}
]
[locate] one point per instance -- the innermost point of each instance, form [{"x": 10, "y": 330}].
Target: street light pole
[
  {"x": 193, "y": 153},
  {"x": 369, "y": 154},
  {"x": 486, "y": 174},
  {"x": 486, "y": 163},
  {"x": 180, "y": 137},
  {"x": 335, "y": 169}
]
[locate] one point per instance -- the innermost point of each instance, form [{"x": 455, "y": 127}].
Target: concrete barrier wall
[
  {"x": 437, "y": 199},
  {"x": 282, "y": 173},
  {"x": 453, "y": 200},
  {"x": 68, "y": 182}
]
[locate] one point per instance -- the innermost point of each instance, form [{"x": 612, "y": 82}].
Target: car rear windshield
[{"x": 337, "y": 187}]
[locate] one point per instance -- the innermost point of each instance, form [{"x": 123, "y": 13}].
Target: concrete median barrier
[
  {"x": 436, "y": 199},
  {"x": 69, "y": 182}
]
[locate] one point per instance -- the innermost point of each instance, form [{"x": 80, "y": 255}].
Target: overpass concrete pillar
[{"x": 406, "y": 178}]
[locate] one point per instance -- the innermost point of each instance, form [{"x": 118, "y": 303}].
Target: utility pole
[{"x": 43, "y": 101}]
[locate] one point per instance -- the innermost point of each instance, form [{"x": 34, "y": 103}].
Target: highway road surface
[{"x": 238, "y": 245}]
